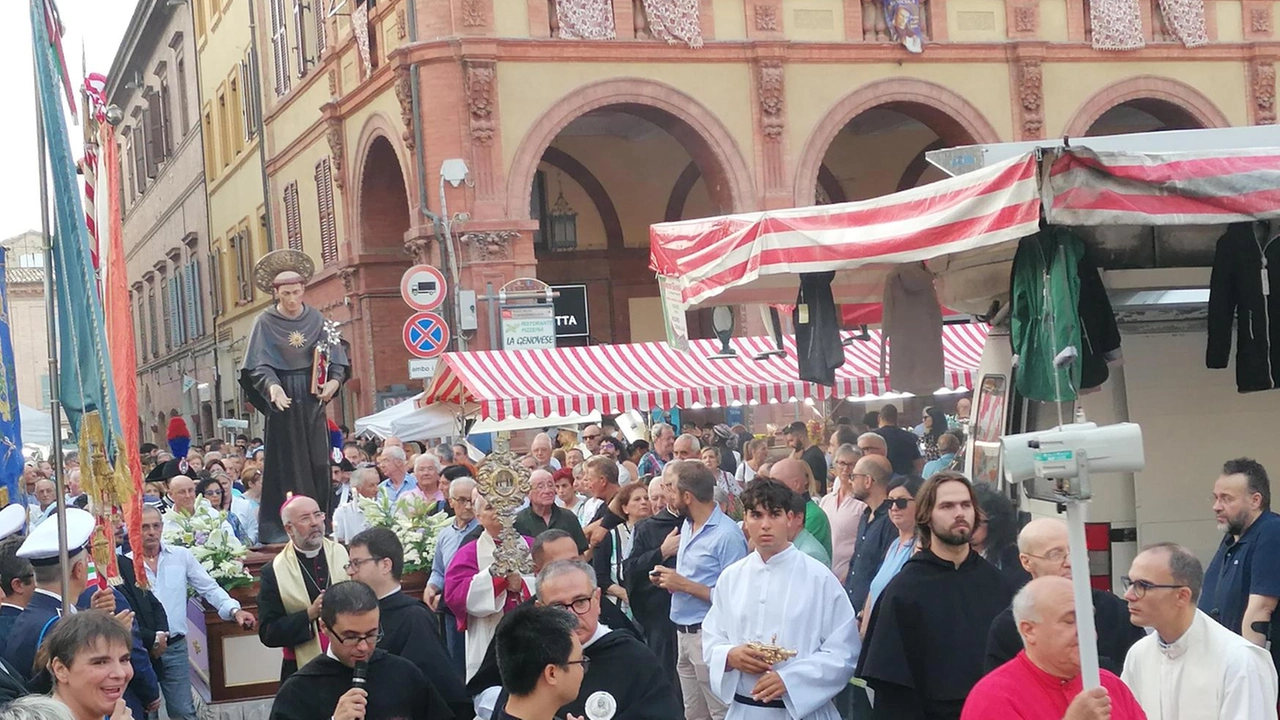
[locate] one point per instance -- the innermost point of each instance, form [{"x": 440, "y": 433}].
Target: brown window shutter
[
  {"x": 292, "y": 217},
  {"x": 328, "y": 222}
]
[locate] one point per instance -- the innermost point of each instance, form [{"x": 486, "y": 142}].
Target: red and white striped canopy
[
  {"x": 957, "y": 223},
  {"x": 613, "y": 379},
  {"x": 754, "y": 257}
]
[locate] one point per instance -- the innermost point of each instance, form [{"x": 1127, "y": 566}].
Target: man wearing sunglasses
[
  {"x": 1190, "y": 667},
  {"x": 623, "y": 673},
  {"x": 393, "y": 687},
  {"x": 1045, "y": 552}
]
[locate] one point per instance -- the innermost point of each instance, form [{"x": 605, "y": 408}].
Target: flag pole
[{"x": 51, "y": 318}]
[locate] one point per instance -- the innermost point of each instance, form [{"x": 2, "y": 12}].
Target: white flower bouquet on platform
[
  {"x": 217, "y": 550},
  {"x": 414, "y": 524}
]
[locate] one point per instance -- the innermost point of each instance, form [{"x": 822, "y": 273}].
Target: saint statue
[{"x": 295, "y": 364}]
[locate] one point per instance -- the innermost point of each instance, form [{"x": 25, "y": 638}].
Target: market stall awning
[
  {"x": 957, "y": 225},
  {"x": 613, "y": 379}
]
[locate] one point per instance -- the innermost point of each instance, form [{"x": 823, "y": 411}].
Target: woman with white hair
[{"x": 348, "y": 519}]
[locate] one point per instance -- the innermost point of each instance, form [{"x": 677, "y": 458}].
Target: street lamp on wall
[{"x": 562, "y": 224}]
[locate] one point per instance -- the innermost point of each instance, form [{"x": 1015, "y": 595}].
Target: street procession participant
[
  {"x": 781, "y": 639},
  {"x": 624, "y": 680},
  {"x": 291, "y": 589},
  {"x": 44, "y": 611},
  {"x": 326, "y": 686},
  {"x": 408, "y": 625},
  {"x": 296, "y": 362},
  {"x": 17, "y": 578}
]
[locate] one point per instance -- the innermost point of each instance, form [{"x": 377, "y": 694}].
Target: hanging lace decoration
[
  {"x": 360, "y": 28},
  {"x": 1116, "y": 24},
  {"x": 1185, "y": 18},
  {"x": 586, "y": 19},
  {"x": 674, "y": 21}
]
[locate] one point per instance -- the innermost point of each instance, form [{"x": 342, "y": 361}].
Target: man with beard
[
  {"x": 1243, "y": 580},
  {"x": 408, "y": 625},
  {"x": 1045, "y": 552},
  {"x": 623, "y": 674},
  {"x": 291, "y": 591},
  {"x": 654, "y": 542},
  {"x": 924, "y": 646},
  {"x": 393, "y": 686}
]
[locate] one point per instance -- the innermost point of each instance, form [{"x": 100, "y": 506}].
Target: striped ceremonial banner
[
  {"x": 613, "y": 379},
  {"x": 756, "y": 253},
  {"x": 1116, "y": 188}
]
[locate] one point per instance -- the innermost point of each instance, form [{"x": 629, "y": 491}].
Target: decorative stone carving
[
  {"x": 402, "y": 27},
  {"x": 489, "y": 246},
  {"x": 418, "y": 248},
  {"x": 473, "y": 14},
  {"x": 767, "y": 18},
  {"x": 1031, "y": 98},
  {"x": 333, "y": 83},
  {"x": 348, "y": 277},
  {"x": 404, "y": 93},
  {"x": 1260, "y": 20},
  {"x": 480, "y": 77},
  {"x": 771, "y": 77},
  {"x": 1026, "y": 18},
  {"x": 337, "y": 148},
  {"x": 1262, "y": 73}
]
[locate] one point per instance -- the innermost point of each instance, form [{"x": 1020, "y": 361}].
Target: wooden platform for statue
[{"x": 230, "y": 664}]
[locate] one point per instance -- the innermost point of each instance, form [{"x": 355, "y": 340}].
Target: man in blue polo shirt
[
  {"x": 1242, "y": 583},
  {"x": 708, "y": 542}
]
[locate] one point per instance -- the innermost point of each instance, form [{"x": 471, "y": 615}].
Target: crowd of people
[{"x": 704, "y": 575}]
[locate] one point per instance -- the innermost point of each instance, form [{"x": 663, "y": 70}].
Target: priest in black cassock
[
  {"x": 408, "y": 625},
  {"x": 393, "y": 689},
  {"x": 927, "y": 635},
  {"x": 295, "y": 364},
  {"x": 623, "y": 674},
  {"x": 292, "y": 583}
]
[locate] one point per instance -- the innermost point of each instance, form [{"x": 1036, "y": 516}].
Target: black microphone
[{"x": 361, "y": 675}]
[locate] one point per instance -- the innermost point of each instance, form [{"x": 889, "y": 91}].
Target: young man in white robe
[
  {"x": 778, "y": 596},
  {"x": 1191, "y": 667}
]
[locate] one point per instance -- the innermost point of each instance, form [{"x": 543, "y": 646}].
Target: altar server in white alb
[
  {"x": 778, "y": 596},
  {"x": 1191, "y": 667}
]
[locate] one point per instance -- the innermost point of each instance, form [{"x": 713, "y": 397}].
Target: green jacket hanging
[{"x": 1045, "y": 317}]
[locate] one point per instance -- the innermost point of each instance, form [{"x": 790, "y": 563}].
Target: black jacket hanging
[
  {"x": 817, "y": 329},
  {"x": 1241, "y": 289}
]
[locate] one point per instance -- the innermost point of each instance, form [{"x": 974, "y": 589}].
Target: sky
[{"x": 96, "y": 25}]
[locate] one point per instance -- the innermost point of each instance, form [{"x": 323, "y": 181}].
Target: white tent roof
[
  {"x": 407, "y": 421},
  {"x": 37, "y": 426}
]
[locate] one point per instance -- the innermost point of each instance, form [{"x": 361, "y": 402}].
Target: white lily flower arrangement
[
  {"x": 410, "y": 518},
  {"x": 217, "y": 550}
]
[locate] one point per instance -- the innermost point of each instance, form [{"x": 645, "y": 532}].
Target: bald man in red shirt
[{"x": 1043, "y": 681}]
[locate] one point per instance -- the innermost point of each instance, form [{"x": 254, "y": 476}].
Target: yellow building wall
[
  {"x": 869, "y": 166},
  {"x": 591, "y": 233},
  {"x": 1053, "y": 20},
  {"x": 731, "y": 19},
  {"x": 813, "y": 90},
  {"x": 976, "y": 20},
  {"x": 513, "y": 20},
  {"x": 813, "y": 20},
  {"x": 1069, "y": 85},
  {"x": 527, "y": 91}
]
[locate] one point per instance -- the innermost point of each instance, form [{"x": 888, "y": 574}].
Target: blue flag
[
  {"x": 85, "y": 374},
  {"x": 10, "y": 418}
]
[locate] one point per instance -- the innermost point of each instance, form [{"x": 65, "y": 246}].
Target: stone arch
[
  {"x": 380, "y": 178},
  {"x": 1161, "y": 97},
  {"x": 955, "y": 120},
  {"x": 688, "y": 121}
]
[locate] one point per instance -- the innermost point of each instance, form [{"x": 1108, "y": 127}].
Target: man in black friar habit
[
  {"x": 295, "y": 364},
  {"x": 623, "y": 680},
  {"x": 327, "y": 686},
  {"x": 376, "y": 558}
]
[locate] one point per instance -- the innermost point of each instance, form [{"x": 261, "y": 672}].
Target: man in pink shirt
[
  {"x": 844, "y": 507},
  {"x": 1043, "y": 681}
]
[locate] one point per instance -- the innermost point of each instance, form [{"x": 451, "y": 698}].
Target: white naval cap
[
  {"x": 41, "y": 546},
  {"x": 12, "y": 518}
]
